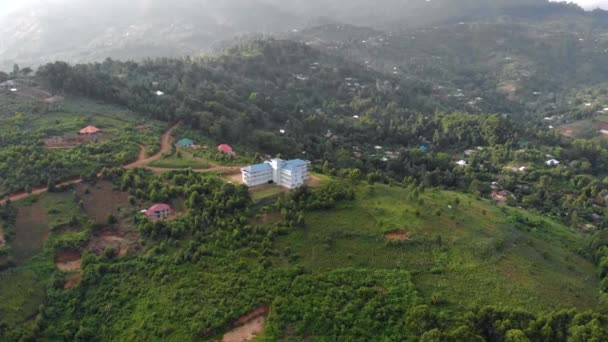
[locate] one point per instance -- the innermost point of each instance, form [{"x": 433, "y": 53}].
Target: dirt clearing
[
  {"x": 399, "y": 235},
  {"x": 68, "y": 261},
  {"x": 72, "y": 281},
  {"x": 248, "y": 326},
  {"x": 121, "y": 241},
  {"x": 235, "y": 178}
]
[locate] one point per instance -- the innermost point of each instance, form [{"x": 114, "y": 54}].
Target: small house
[
  {"x": 226, "y": 149},
  {"x": 424, "y": 148},
  {"x": 158, "y": 211},
  {"x": 461, "y": 163},
  {"x": 552, "y": 162},
  {"x": 186, "y": 143},
  {"x": 89, "y": 130}
]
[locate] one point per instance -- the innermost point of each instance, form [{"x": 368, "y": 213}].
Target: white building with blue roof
[{"x": 287, "y": 173}]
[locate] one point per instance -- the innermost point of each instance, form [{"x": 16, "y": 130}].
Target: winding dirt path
[
  {"x": 140, "y": 162},
  {"x": 165, "y": 146}
]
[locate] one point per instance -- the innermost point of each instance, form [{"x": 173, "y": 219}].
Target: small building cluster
[{"x": 287, "y": 173}]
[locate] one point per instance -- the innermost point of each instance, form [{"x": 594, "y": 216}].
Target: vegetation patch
[
  {"x": 31, "y": 231},
  {"x": 180, "y": 160},
  {"x": 460, "y": 241},
  {"x": 102, "y": 199}
]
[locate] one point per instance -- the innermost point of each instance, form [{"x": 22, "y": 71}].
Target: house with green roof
[{"x": 185, "y": 142}]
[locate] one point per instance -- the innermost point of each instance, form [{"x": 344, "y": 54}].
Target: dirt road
[
  {"x": 141, "y": 161},
  {"x": 165, "y": 146}
]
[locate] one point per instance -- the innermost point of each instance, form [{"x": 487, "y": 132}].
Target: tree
[
  {"x": 112, "y": 219},
  {"x": 516, "y": 335},
  {"x": 421, "y": 319},
  {"x": 26, "y": 71},
  {"x": 15, "y": 72}
]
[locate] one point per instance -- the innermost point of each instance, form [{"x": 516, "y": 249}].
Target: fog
[{"x": 38, "y": 31}]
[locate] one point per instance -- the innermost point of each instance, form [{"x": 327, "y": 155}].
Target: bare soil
[
  {"x": 72, "y": 140},
  {"x": 313, "y": 181},
  {"x": 236, "y": 178},
  {"x": 248, "y": 326},
  {"x": 68, "y": 261},
  {"x": 122, "y": 240},
  {"x": 72, "y": 281},
  {"x": 500, "y": 196},
  {"x": 400, "y": 235}
]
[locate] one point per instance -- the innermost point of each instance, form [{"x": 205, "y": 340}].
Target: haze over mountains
[{"x": 37, "y": 31}]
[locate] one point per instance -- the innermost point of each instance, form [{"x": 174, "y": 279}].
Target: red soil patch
[
  {"x": 121, "y": 241},
  {"x": 248, "y": 326},
  {"x": 68, "y": 261},
  {"x": 313, "y": 181},
  {"x": 72, "y": 281},
  {"x": 400, "y": 235}
]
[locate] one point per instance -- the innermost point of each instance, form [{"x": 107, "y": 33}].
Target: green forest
[{"x": 457, "y": 193}]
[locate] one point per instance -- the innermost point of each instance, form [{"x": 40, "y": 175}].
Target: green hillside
[{"x": 475, "y": 253}]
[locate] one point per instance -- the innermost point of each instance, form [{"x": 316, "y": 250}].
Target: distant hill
[{"x": 38, "y": 31}]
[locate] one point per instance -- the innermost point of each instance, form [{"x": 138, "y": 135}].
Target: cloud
[{"x": 589, "y": 4}]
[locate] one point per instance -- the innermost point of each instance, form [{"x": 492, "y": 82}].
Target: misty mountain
[{"x": 37, "y": 31}]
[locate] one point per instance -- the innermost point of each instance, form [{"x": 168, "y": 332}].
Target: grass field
[
  {"x": 101, "y": 200},
  {"x": 265, "y": 191},
  {"x": 182, "y": 160},
  {"x": 468, "y": 255},
  {"x": 22, "y": 291},
  {"x": 31, "y": 231}
]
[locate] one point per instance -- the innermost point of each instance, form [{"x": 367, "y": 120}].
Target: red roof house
[
  {"x": 225, "y": 149},
  {"x": 158, "y": 211},
  {"x": 90, "y": 130}
]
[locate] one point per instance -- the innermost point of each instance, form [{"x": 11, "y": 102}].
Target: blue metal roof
[
  {"x": 424, "y": 148},
  {"x": 258, "y": 168},
  {"x": 294, "y": 164},
  {"x": 185, "y": 142}
]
